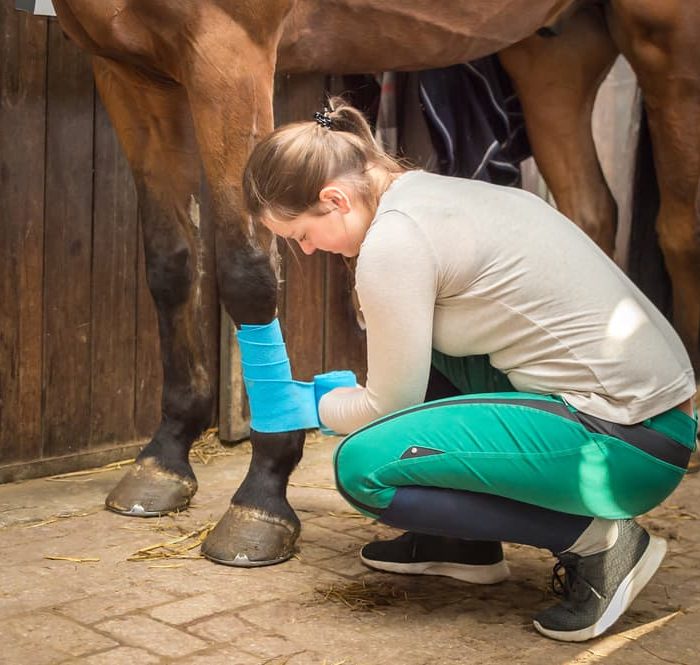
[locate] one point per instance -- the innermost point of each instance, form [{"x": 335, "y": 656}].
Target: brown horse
[{"x": 193, "y": 79}]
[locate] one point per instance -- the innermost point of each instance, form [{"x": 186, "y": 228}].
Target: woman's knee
[{"x": 356, "y": 462}]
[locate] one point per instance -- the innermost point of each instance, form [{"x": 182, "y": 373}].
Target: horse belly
[{"x": 359, "y": 36}]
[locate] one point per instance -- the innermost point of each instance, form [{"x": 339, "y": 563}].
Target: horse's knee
[{"x": 247, "y": 285}]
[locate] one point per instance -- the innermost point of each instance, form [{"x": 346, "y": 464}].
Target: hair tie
[{"x": 324, "y": 119}]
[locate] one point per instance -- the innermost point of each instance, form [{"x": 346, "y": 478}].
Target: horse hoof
[
  {"x": 248, "y": 537},
  {"x": 147, "y": 490}
]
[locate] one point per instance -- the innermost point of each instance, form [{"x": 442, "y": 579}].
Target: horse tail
[{"x": 646, "y": 265}]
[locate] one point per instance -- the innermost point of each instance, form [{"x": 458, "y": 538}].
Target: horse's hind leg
[
  {"x": 154, "y": 126},
  {"x": 557, "y": 79},
  {"x": 662, "y": 42}
]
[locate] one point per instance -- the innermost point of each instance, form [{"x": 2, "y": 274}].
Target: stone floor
[{"x": 69, "y": 592}]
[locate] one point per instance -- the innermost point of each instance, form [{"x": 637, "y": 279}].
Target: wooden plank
[
  {"x": 68, "y": 247},
  {"x": 234, "y": 414},
  {"x": 86, "y": 459},
  {"x": 345, "y": 342},
  {"x": 303, "y": 316},
  {"x": 114, "y": 261},
  {"x": 22, "y": 123},
  {"x": 296, "y": 98},
  {"x": 149, "y": 371}
]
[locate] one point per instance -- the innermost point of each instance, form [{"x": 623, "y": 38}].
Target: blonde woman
[{"x": 564, "y": 407}]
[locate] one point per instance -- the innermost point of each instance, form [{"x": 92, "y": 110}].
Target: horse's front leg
[
  {"x": 155, "y": 129},
  {"x": 231, "y": 101},
  {"x": 557, "y": 80}
]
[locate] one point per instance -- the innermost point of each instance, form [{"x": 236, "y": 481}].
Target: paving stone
[
  {"x": 221, "y": 628},
  {"x": 190, "y": 609},
  {"x": 313, "y": 552},
  {"x": 303, "y": 658},
  {"x": 267, "y": 646},
  {"x": 103, "y": 606},
  {"x": 347, "y": 565},
  {"x": 14, "y": 652},
  {"x": 120, "y": 656},
  {"x": 312, "y": 533},
  {"x": 141, "y": 631},
  {"x": 222, "y": 656},
  {"x": 46, "y": 631}
]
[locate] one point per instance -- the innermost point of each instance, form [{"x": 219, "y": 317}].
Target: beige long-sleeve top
[{"x": 471, "y": 268}]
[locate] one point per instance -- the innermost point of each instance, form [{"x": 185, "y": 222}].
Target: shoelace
[{"x": 568, "y": 580}]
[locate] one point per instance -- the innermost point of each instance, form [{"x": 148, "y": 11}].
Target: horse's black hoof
[
  {"x": 147, "y": 490},
  {"x": 248, "y": 537}
]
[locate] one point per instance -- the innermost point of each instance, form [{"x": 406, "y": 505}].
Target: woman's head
[{"x": 330, "y": 168}]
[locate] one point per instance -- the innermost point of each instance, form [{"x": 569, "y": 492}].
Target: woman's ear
[{"x": 337, "y": 196}]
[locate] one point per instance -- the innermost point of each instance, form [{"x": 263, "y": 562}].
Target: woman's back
[{"x": 500, "y": 272}]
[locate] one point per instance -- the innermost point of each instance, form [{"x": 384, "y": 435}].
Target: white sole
[
  {"x": 625, "y": 594},
  {"x": 475, "y": 574}
]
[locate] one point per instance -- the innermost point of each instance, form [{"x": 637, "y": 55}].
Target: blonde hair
[{"x": 288, "y": 168}]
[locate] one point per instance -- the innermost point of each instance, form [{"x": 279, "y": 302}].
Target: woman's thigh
[{"x": 526, "y": 447}]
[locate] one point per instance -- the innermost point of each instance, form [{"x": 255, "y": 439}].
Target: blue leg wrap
[{"x": 278, "y": 403}]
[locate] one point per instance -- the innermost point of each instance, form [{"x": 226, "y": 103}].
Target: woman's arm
[{"x": 397, "y": 284}]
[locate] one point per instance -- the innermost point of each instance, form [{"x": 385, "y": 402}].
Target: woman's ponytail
[
  {"x": 346, "y": 118},
  {"x": 288, "y": 168}
]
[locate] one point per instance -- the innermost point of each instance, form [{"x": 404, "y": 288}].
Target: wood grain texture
[
  {"x": 67, "y": 302},
  {"x": 22, "y": 147},
  {"x": 114, "y": 261}
]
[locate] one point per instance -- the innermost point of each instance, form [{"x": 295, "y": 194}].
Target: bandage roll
[
  {"x": 281, "y": 406},
  {"x": 263, "y": 353},
  {"x": 279, "y": 371},
  {"x": 324, "y": 383},
  {"x": 277, "y": 402},
  {"x": 270, "y": 333}
]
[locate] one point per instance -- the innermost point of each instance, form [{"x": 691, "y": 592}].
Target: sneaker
[
  {"x": 597, "y": 589},
  {"x": 473, "y": 561}
]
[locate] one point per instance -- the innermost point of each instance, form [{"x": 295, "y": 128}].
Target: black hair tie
[{"x": 324, "y": 119}]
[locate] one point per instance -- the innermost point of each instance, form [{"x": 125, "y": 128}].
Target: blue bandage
[{"x": 277, "y": 402}]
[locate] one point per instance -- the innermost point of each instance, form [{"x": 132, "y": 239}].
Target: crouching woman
[{"x": 519, "y": 388}]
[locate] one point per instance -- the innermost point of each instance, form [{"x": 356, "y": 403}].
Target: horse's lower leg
[
  {"x": 662, "y": 43},
  {"x": 260, "y": 527},
  {"x": 231, "y": 99},
  {"x": 557, "y": 79},
  {"x": 154, "y": 127}
]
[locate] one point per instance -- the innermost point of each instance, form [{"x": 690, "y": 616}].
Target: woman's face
[{"x": 339, "y": 226}]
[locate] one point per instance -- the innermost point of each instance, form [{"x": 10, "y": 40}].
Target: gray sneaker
[{"x": 597, "y": 589}]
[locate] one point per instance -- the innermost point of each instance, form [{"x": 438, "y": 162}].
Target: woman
[{"x": 567, "y": 395}]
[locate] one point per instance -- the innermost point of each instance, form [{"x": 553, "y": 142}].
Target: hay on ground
[
  {"x": 365, "y": 596},
  {"x": 176, "y": 548}
]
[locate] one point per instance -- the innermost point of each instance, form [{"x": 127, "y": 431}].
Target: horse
[{"x": 192, "y": 80}]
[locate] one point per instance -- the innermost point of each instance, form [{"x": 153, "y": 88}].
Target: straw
[
  {"x": 364, "y": 597},
  {"x": 176, "y": 548}
]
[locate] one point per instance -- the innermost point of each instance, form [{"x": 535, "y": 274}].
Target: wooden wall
[
  {"x": 79, "y": 368},
  {"x": 79, "y": 363}
]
